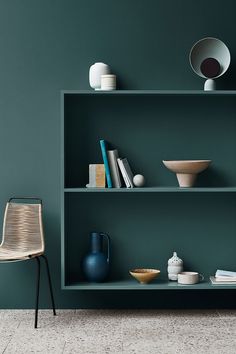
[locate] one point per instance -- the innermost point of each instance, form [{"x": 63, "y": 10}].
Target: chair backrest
[{"x": 23, "y": 228}]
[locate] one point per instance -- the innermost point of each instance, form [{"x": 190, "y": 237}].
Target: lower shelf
[{"x": 133, "y": 285}]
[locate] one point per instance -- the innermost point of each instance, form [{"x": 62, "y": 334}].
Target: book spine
[
  {"x": 128, "y": 171},
  {"x": 122, "y": 170},
  {"x": 106, "y": 164},
  {"x": 115, "y": 175}
]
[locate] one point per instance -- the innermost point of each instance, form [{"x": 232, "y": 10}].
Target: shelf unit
[{"x": 146, "y": 127}]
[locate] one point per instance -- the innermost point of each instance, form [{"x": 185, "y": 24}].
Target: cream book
[
  {"x": 225, "y": 279},
  {"x": 224, "y": 282}
]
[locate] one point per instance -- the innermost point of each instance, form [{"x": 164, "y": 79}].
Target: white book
[
  {"x": 115, "y": 174},
  {"x": 123, "y": 172},
  {"x": 225, "y": 273},
  {"x": 129, "y": 173}
]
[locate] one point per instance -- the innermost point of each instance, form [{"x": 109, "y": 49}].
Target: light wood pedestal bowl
[{"x": 187, "y": 170}]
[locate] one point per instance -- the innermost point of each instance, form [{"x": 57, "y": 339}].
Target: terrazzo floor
[{"x": 119, "y": 331}]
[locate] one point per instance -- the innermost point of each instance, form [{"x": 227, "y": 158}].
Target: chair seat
[
  {"x": 12, "y": 255},
  {"x": 23, "y": 239}
]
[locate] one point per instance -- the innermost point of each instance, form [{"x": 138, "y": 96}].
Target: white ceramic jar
[
  {"x": 95, "y": 73},
  {"x": 175, "y": 266}
]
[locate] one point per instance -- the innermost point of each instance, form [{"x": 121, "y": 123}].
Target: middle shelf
[{"x": 152, "y": 189}]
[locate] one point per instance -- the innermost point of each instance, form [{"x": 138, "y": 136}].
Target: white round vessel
[{"x": 95, "y": 73}]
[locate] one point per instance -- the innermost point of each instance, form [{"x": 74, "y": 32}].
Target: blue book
[{"x": 106, "y": 164}]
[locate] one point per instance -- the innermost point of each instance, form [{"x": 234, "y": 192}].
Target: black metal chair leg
[
  {"x": 37, "y": 293},
  {"x": 50, "y": 284}
]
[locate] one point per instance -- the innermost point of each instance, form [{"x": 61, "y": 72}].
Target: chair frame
[
  {"x": 38, "y": 270},
  {"x": 38, "y": 286}
]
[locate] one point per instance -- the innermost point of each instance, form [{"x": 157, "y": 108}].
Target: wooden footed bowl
[
  {"x": 187, "y": 170},
  {"x": 144, "y": 276}
]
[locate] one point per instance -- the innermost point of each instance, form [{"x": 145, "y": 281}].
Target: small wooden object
[{"x": 97, "y": 178}]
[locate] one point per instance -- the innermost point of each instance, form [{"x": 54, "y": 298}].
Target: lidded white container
[
  {"x": 95, "y": 73},
  {"x": 175, "y": 266}
]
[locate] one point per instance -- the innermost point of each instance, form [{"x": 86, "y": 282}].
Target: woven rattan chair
[{"x": 23, "y": 238}]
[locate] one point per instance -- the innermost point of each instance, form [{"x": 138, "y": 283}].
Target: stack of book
[
  {"x": 116, "y": 169},
  {"x": 224, "y": 277}
]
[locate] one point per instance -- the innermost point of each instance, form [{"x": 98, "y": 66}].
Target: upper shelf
[{"x": 153, "y": 92}]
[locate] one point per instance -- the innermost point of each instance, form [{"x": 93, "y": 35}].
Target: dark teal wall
[{"x": 46, "y": 46}]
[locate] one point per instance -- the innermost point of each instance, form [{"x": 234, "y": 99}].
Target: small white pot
[
  {"x": 189, "y": 278},
  {"x": 95, "y": 73},
  {"x": 108, "y": 82}
]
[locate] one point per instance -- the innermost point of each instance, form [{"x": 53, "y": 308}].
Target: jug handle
[{"x": 108, "y": 246}]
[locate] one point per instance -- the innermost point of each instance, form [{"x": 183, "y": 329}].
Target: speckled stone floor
[{"x": 114, "y": 331}]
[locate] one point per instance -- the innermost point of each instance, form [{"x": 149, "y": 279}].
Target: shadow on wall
[{"x": 213, "y": 177}]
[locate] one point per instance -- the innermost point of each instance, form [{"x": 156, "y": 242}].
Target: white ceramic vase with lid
[
  {"x": 175, "y": 266},
  {"x": 95, "y": 73}
]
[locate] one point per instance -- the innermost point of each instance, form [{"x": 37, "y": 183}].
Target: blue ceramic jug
[{"x": 96, "y": 263}]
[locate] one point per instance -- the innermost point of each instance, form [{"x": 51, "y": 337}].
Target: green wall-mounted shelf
[
  {"x": 147, "y": 224},
  {"x": 133, "y": 285},
  {"x": 152, "y": 92},
  {"x": 152, "y": 190}
]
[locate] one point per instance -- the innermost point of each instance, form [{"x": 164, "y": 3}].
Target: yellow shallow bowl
[{"x": 144, "y": 276}]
